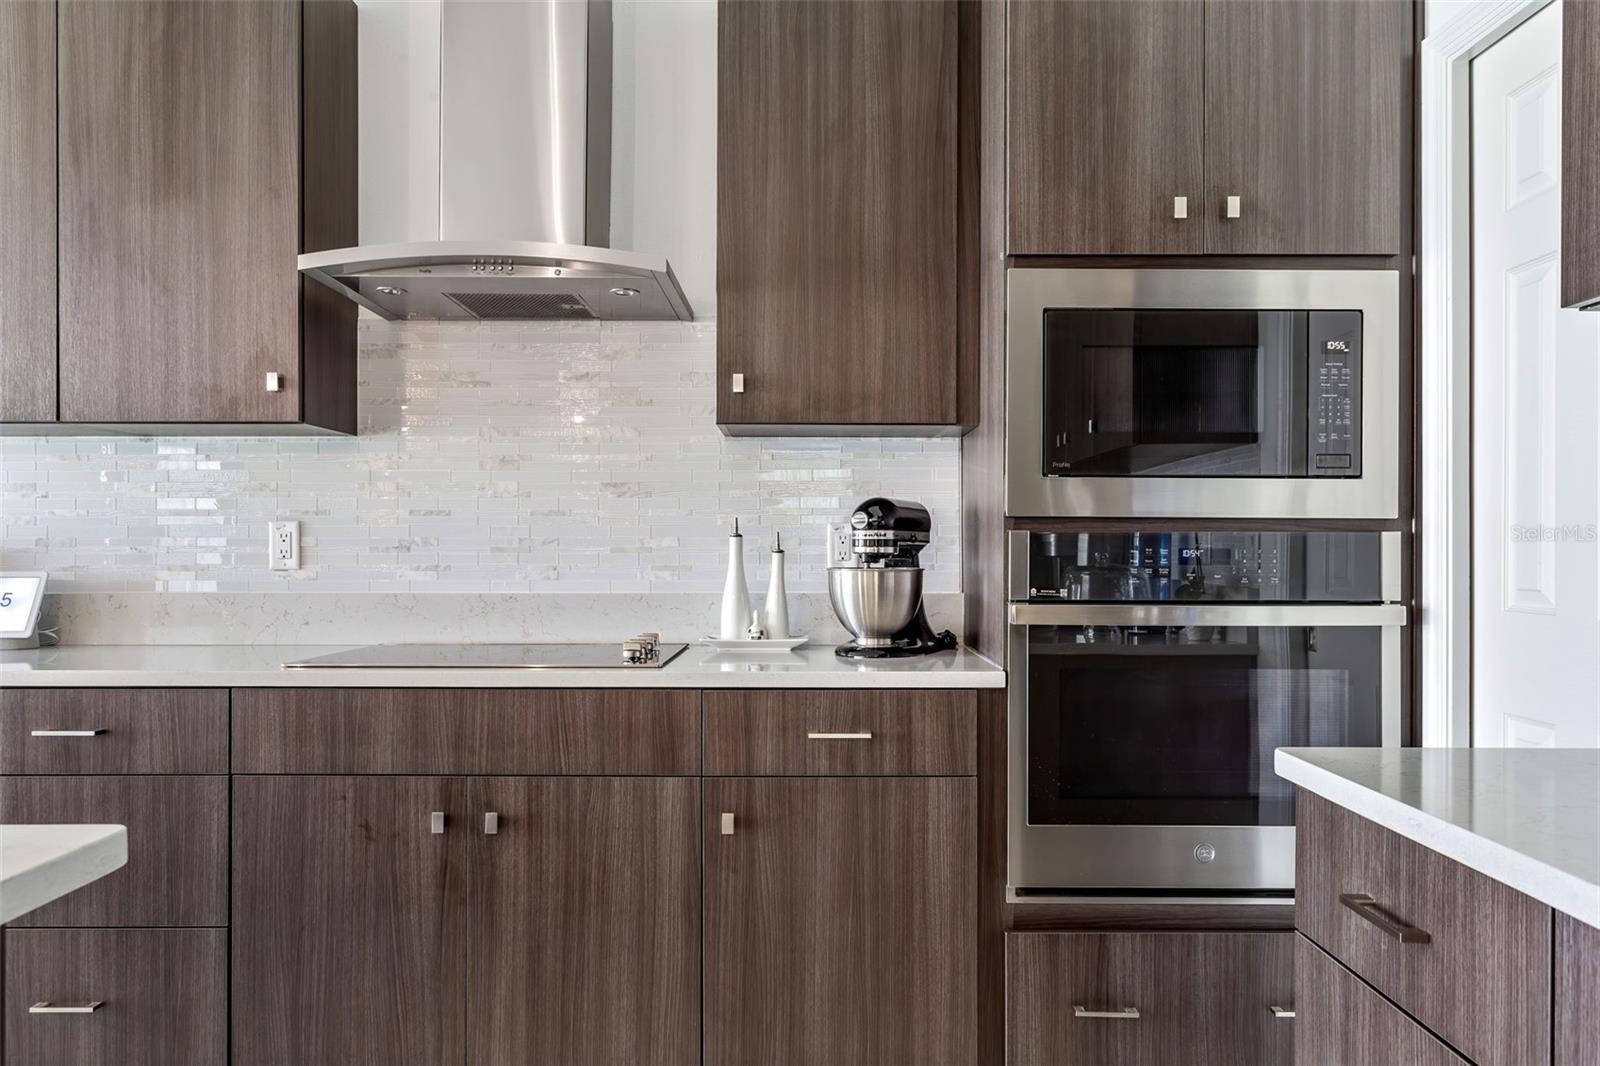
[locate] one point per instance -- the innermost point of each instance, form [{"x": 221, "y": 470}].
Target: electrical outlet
[{"x": 283, "y": 545}]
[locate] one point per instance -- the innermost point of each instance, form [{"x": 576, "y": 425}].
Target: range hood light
[{"x": 624, "y": 292}]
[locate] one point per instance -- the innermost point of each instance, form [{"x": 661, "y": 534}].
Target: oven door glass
[
  {"x": 1175, "y": 393},
  {"x": 1176, "y": 725}
]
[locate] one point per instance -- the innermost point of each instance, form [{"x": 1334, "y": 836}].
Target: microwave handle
[{"x": 1207, "y": 614}]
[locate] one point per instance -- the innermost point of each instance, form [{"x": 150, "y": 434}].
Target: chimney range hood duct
[{"x": 524, "y": 182}]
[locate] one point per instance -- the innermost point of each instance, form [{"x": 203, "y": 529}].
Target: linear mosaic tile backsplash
[{"x": 505, "y": 457}]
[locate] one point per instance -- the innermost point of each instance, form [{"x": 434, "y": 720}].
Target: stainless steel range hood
[{"x": 524, "y": 182}]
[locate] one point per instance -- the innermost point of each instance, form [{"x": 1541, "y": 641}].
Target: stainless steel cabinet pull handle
[
  {"x": 1233, "y": 207},
  {"x": 67, "y": 732},
  {"x": 491, "y": 823},
  {"x": 274, "y": 383},
  {"x": 1282, "y": 1012},
  {"x": 727, "y": 823},
  {"x": 738, "y": 383},
  {"x": 1367, "y": 907},
  {"x": 1084, "y": 1012},
  {"x": 838, "y": 736},
  {"x": 46, "y": 1007},
  {"x": 1180, "y": 207},
  {"x": 436, "y": 822}
]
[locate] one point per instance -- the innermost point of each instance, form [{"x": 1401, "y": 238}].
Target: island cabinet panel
[
  {"x": 836, "y": 214},
  {"x": 584, "y": 905},
  {"x": 1306, "y": 120},
  {"x": 1481, "y": 980},
  {"x": 1128, "y": 999},
  {"x": 840, "y": 921},
  {"x": 1577, "y": 993},
  {"x": 177, "y": 870},
  {"x": 1340, "y": 1020},
  {"x": 466, "y": 731},
  {"x": 1105, "y": 128},
  {"x": 841, "y": 733},
  {"x": 28, "y": 212},
  {"x": 129, "y": 731},
  {"x": 162, "y": 996},
  {"x": 1580, "y": 153},
  {"x": 349, "y": 921}
]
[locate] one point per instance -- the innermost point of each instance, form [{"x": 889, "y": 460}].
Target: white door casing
[{"x": 1535, "y": 447}]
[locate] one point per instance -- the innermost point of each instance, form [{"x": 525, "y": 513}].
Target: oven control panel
[{"x": 1333, "y": 429}]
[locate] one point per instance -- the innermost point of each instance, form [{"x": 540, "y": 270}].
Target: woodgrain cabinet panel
[
  {"x": 28, "y": 212},
  {"x": 585, "y": 921},
  {"x": 1105, "y": 127},
  {"x": 177, "y": 869},
  {"x": 349, "y": 921},
  {"x": 1580, "y": 153},
  {"x": 162, "y": 994},
  {"x": 840, "y": 921},
  {"x": 841, "y": 733},
  {"x": 1342, "y": 1022},
  {"x": 180, "y": 215},
  {"x": 1202, "y": 999},
  {"x": 133, "y": 731},
  {"x": 1306, "y": 120},
  {"x": 1482, "y": 979},
  {"x": 836, "y": 213},
  {"x": 1577, "y": 993},
  {"x": 466, "y": 731}
]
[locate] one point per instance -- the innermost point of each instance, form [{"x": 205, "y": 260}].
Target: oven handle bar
[{"x": 1208, "y": 614}]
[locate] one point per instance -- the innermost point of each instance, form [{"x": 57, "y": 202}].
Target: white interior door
[{"x": 1535, "y": 406}]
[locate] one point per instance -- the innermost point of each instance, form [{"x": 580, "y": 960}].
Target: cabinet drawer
[
  {"x": 466, "y": 731},
  {"x": 821, "y": 732},
  {"x": 162, "y": 994},
  {"x": 1127, "y": 999},
  {"x": 1341, "y": 1021},
  {"x": 1480, "y": 979},
  {"x": 129, "y": 731},
  {"x": 177, "y": 871}
]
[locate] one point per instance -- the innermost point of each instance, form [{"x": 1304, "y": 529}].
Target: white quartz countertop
[
  {"x": 254, "y": 666},
  {"x": 1527, "y": 817},
  {"x": 41, "y": 863}
]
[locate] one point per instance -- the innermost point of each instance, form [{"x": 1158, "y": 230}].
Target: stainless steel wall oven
[{"x": 1153, "y": 673}]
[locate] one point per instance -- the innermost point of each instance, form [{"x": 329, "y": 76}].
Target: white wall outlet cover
[{"x": 283, "y": 545}]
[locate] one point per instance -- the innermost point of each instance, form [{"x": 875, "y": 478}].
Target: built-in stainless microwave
[{"x": 1243, "y": 394}]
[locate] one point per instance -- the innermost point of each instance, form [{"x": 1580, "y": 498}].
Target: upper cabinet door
[
  {"x": 1306, "y": 124},
  {"x": 180, "y": 169},
  {"x": 1105, "y": 127},
  {"x": 27, "y": 212},
  {"x": 836, "y": 213}
]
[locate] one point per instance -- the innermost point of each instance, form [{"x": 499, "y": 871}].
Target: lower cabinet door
[
  {"x": 841, "y": 921},
  {"x": 114, "y": 997},
  {"x": 349, "y": 921},
  {"x": 1343, "y": 1022},
  {"x": 584, "y": 916},
  {"x": 1141, "y": 999}
]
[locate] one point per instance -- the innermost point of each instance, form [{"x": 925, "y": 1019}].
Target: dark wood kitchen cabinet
[
  {"x": 839, "y": 920},
  {"x": 836, "y": 217},
  {"x": 200, "y": 148},
  {"x": 1580, "y": 153},
  {"x": 1299, "y": 110}
]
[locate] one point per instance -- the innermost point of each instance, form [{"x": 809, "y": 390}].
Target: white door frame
[{"x": 1445, "y": 470}]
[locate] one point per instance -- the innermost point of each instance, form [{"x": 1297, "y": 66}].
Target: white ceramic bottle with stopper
[
  {"x": 735, "y": 594},
  {"x": 777, "y": 612}
]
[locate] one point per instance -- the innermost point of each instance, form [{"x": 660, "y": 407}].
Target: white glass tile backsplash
[{"x": 504, "y": 457}]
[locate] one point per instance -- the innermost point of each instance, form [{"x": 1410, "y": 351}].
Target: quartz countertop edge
[
  {"x": 1528, "y": 818},
  {"x": 41, "y": 863},
  {"x": 261, "y": 666}
]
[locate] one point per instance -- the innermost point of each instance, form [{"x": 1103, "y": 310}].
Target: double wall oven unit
[
  {"x": 1169, "y": 394},
  {"x": 1153, "y": 673}
]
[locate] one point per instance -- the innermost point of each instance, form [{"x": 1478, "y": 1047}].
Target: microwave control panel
[{"x": 1333, "y": 430}]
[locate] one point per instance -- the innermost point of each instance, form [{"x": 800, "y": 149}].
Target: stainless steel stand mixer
[{"x": 875, "y": 581}]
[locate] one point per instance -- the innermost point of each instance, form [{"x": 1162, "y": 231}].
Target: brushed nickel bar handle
[
  {"x": 1079, "y": 1011},
  {"x": 46, "y": 1007},
  {"x": 67, "y": 732},
  {"x": 1281, "y": 1012},
  {"x": 838, "y": 736},
  {"x": 491, "y": 823},
  {"x": 1367, "y": 907},
  {"x": 436, "y": 822},
  {"x": 1207, "y": 614}
]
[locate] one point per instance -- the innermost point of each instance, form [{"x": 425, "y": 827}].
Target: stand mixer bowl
[{"x": 875, "y": 603}]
